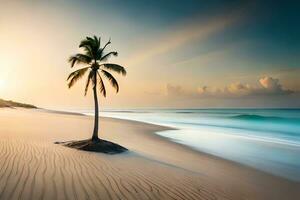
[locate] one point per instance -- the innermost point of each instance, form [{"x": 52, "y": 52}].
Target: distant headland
[{"x": 9, "y": 103}]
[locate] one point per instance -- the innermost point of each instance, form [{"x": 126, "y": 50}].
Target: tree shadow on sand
[{"x": 102, "y": 146}]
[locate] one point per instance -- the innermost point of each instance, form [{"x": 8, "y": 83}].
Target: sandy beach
[{"x": 33, "y": 167}]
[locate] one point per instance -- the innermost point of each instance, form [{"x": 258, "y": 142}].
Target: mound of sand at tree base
[{"x": 101, "y": 146}]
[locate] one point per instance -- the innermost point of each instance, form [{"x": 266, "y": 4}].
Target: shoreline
[
  {"x": 152, "y": 162},
  {"x": 189, "y": 148},
  {"x": 162, "y": 128}
]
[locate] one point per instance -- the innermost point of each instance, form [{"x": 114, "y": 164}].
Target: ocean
[{"x": 265, "y": 139}]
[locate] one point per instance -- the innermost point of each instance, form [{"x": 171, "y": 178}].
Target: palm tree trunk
[{"x": 96, "y": 121}]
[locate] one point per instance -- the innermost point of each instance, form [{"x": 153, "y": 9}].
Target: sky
[{"x": 191, "y": 54}]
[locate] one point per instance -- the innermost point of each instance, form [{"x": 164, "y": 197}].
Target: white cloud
[{"x": 267, "y": 86}]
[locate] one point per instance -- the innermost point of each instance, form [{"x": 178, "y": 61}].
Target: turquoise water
[{"x": 266, "y": 139}]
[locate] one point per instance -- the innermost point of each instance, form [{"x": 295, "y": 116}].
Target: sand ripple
[{"x": 37, "y": 170}]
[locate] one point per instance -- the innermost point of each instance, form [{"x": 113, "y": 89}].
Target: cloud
[
  {"x": 271, "y": 84},
  {"x": 173, "y": 90},
  {"x": 267, "y": 86}
]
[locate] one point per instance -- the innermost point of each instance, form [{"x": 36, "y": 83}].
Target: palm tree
[{"x": 93, "y": 58}]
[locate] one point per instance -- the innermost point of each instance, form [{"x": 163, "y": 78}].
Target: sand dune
[{"x": 33, "y": 167}]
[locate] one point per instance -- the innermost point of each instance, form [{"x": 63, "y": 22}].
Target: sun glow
[{"x": 2, "y": 84}]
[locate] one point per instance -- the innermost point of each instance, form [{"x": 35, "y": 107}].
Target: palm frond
[
  {"x": 79, "y": 59},
  {"x": 90, "y": 76},
  {"x": 101, "y": 85},
  {"x": 97, "y": 41},
  {"x": 90, "y": 39},
  {"x": 72, "y": 60},
  {"x": 115, "y": 67},
  {"x": 108, "y": 43},
  {"x": 74, "y": 72},
  {"x": 111, "y": 79},
  {"x": 106, "y": 56},
  {"x": 94, "y": 43},
  {"x": 83, "y": 58},
  {"x": 88, "y": 46},
  {"x": 88, "y": 51},
  {"x": 100, "y": 51},
  {"x": 85, "y": 42},
  {"x": 76, "y": 75}
]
